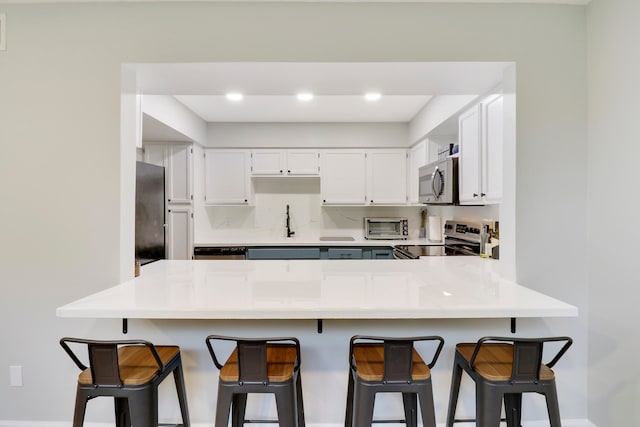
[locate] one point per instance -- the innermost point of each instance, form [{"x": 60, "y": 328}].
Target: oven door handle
[{"x": 400, "y": 255}]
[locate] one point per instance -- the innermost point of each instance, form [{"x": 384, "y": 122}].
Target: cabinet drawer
[
  {"x": 344, "y": 253},
  {"x": 283, "y": 253},
  {"x": 386, "y": 253}
]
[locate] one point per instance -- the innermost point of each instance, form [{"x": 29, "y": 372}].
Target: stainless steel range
[{"x": 460, "y": 238}]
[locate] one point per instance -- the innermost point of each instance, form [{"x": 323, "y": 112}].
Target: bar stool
[
  {"x": 503, "y": 369},
  {"x": 130, "y": 372},
  {"x": 259, "y": 365},
  {"x": 384, "y": 364}
]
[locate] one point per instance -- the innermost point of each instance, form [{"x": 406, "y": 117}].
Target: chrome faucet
[{"x": 289, "y": 232}]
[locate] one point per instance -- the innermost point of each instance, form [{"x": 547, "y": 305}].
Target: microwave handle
[{"x": 436, "y": 193}]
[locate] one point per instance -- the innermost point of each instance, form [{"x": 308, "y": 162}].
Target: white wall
[
  {"x": 169, "y": 111},
  {"x": 614, "y": 90},
  {"x": 61, "y": 226},
  {"x": 307, "y": 135},
  {"x": 436, "y": 111}
]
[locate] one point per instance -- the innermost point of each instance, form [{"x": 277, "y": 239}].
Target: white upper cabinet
[
  {"x": 227, "y": 180},
  {"x": 417, "y": 158},
  {"x": 303, "y": 163},
  {"x": 285, "y": 163},
  {"x": 469, "y": 140},
  {"x": 177, "y": 161},
  {"x": 493, "y": 148},
  {"x": 387, "y": 177},
  {"x": 268, "y": 163},
  {"x": 481, "y": 144},
  {"x": 343, "y": 177}
]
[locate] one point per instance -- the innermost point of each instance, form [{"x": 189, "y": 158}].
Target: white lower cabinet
[
  {"x": 481, "y": 144},
  {"x": 343, "y": 177},
  {"x": 227, "y": 177},
  {"x": 179, "y": 232}
]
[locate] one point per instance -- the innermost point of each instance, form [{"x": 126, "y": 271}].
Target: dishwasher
[{"x": 219, "y": 252}]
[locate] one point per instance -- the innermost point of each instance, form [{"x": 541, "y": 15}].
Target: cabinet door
[
  {"x": 343, "y": 177},
  {"x": 302, "y": 163},
  {"x": 267, "y": 163},
  {"x": 417, "y": 158},
  {"x": 469, "y": 139},
  {"x": 227, "y": 177},
  {"x": 179, "y": 174},
  {"x": 387, "y": 177},
  {"x": 493, "y": 146},
  {"x": 179, "y": 232},
  {"x": 155, "y": 154}
]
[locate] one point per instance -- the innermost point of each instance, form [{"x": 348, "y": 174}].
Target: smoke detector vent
[{"x": 3, "y": 31}]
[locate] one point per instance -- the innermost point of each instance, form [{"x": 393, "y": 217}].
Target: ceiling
[
  {"x": 577, "y": 2},
  {"x": 270, "y": 88}
]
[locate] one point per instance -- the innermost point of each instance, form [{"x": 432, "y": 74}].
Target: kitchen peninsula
[{"x": 432, "y": 288}]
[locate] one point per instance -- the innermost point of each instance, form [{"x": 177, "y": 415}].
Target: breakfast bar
[{"x": 433, "y": 288}]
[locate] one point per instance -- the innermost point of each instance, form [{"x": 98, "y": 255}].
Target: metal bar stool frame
[
  {"x": 399, "y": 360},
  {"x": 135, "y": 401},
  {"x": 526, "y": 366},
  {"x": 253, "y": 377}
]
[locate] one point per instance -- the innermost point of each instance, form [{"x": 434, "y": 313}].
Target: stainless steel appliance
[
  {"x": 438, "y": 182},
  {"x": 460, "y": 238},
  {"x": 219, "y": 252},
  {"x": 386, "y": 228},
  {"x": 150, "y": 213}
]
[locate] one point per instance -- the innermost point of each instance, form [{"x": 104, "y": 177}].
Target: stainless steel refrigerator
[{"x": 150, "y": 213}]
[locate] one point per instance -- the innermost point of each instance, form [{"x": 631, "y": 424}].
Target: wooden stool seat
[
  {"x": 136, "y": 364},
  {"x": 130, "y": 372},
  {"x": 389, "y": 365},
  {"x": 369, "y": 360},
  {"x": 281, "y": 362},
  {"x": 495, "y": 361},
  {"x": 503, "y": 369},
  {"x": 258, "y": 365}
]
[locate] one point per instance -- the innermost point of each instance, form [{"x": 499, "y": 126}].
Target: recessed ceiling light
[
  {"x": 372, "y": 96},
  {"x": 305, "y": 96},
  {"x": 234, "y": 96}
]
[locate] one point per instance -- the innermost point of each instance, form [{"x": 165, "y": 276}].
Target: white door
[
  {"x": 179, "y": 174},
  {"x": 343, "y": 177},
  {"x": 417, "y": 158},
  {"x": 179, "y": 244},
  {"x": 469, "y": 139},
  {"x": 493, "y": 146},
  {"x": 227, "y": 177},
  {"x": 302, "y": 163},
  {"x": 267, "y": 163},
  {"x": 387, "y": 171}
]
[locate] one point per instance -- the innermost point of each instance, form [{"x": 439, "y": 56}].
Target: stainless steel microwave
[
  {"x": 386, "y": 228},
  {"x": 438, "y": 182}
]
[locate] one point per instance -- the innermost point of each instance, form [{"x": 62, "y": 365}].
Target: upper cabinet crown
[
  {"x": 481, "y": 144},
  {"x": 285, "y": 163}
]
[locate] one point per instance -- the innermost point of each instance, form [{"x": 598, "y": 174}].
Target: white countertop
[
  {"x": 311, "y": 239},
  {"x": 293, "y": 241},
  {"x": 434, "y": 287}
]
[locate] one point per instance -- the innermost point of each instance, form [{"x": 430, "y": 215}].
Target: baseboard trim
[{"x": 28, "y": 423}]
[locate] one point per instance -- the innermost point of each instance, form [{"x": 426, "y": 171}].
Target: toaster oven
[{"x": 386, "y": 228}]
